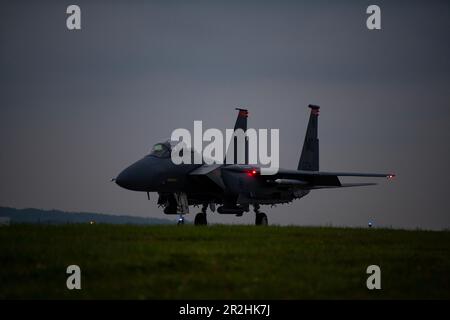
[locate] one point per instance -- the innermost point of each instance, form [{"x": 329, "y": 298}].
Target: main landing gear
[
  {"x": 200, "y": 218},
  {"x": 260, "y": 217}
]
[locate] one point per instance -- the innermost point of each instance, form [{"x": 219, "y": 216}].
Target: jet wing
[{"x": 309, "y": 179}]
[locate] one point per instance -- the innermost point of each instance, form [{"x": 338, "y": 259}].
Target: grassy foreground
[{"x": 221, "y": 262}]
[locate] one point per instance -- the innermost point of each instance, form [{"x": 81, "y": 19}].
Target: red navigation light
[
  {"x": 314, "y": 109},
  {"x": 252, "y": 173}
]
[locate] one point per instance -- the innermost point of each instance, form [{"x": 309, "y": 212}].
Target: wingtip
[{"x": 243, "y": 113}]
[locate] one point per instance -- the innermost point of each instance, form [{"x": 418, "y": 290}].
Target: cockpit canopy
[{"x": 161, "y": 150}]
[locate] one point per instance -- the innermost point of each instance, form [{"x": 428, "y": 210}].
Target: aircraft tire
[
  {"x": 261, "y": 219},
  {"x": 200, "y": 219}
]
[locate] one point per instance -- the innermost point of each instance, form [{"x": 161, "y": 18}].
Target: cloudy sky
[{"x": 76, "y": 107}]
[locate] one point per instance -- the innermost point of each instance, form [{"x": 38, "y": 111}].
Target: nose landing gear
[{"x": 180, "y": 220}]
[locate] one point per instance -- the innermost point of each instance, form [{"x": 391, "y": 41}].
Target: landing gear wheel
[
  {"x": 261, "y": 219},
  {"x": 180, "y": 221},
  {"x": 200, "y": 219}
]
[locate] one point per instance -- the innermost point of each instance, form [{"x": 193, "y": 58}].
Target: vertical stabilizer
[
  {"x": 309, "y": 160},
  {"x": 241, "y": 123}
]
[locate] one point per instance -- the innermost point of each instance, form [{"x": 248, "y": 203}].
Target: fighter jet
[{"x": 234, "y": 187}]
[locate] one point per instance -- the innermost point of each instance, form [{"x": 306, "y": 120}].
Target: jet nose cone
[
  {"x": 123, "y": 179},
  {"x": 140, "y": 176}
]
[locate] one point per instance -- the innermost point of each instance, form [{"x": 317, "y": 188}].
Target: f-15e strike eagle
[{"x": 234, "y": 187}]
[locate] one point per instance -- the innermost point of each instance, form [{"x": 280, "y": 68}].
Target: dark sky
[{"x": 76, "y": 107}]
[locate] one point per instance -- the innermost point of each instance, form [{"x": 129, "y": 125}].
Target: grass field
[{"x": 221, "y": 262}]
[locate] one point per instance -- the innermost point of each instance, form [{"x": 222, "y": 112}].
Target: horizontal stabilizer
[
  {"x": 338, "y": 174},
  {"x": 346, "y": 185},
  {"x": 343, "y": 185}
]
